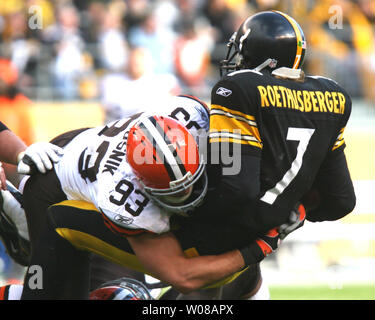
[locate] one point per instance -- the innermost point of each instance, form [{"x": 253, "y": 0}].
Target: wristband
[{"x": 252, "y": 254}]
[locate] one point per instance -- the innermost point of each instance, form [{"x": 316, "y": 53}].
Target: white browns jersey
[{"x": 94, "y": 168}]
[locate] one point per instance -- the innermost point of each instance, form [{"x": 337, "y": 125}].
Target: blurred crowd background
[
  {"x": 115, "y": 50},
  {"x": 66, "y": 64}
]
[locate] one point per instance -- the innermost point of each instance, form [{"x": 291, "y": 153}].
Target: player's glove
[
  {"x": 262, "y": 247},
  {"x": 296, "y": 220},
  {"x": 38, "y": 156}
]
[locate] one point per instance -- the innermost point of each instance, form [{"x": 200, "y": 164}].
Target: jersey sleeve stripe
[
  {"x": 231, "y": 111},
  {"x": 216, "y": 112},
  {"x": 225, "y": 124},
  {"x": 340, "y": 140},
  {"x": 232, "y": 140},
  {"x": 229, "y": 125}
]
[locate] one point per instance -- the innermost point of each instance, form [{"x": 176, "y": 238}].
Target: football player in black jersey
[
  {"x": 289, "y": 127},
  {"x": 285, "y": 128}
]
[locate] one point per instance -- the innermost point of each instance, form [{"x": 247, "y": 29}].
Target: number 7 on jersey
[{"x": 303, "y": 135}]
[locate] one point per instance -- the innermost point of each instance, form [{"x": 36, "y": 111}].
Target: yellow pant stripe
[
  {"x": 84, "y": 241},
  {"x": 78, "y": 204}
]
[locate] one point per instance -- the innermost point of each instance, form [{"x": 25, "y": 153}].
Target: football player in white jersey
[
  {"x": 113, "y": 192},
  {"x": 94, "y": 165}
]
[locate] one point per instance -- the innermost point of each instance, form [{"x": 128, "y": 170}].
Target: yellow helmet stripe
[{"x": 300, "y": 40}]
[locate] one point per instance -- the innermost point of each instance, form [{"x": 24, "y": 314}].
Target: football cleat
[{"x": 13, "y": 225}]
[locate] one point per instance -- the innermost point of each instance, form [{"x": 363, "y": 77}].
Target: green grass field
[{"x": 323, "y": 292}]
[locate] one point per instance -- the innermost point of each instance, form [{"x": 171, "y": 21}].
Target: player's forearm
[
  {"x": 198, "y": 272},
  {"x": 11, "y": 146},
  {"x": 163, "y": 257}
]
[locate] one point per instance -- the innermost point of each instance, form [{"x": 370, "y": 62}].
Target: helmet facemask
[
  {"x": 233, "y": 60},
  {"x": 184, "y": 195},
  {"x": 173, "y": 176}
]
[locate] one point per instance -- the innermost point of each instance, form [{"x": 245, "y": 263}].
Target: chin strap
[
  {"x": 285, "y": 72},
  {"x": 268, "y": 63}
]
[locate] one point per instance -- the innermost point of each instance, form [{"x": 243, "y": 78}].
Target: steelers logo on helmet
[
  {"x": 270, "y": 37},
  {"x": 164, "y": 155},
  {"x": 121, "y": 289}
]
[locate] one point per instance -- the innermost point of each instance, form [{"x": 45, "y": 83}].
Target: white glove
[{"x": 39, "y": 155}]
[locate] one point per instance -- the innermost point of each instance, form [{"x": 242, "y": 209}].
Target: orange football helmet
[{"x": 165, "y": 157}]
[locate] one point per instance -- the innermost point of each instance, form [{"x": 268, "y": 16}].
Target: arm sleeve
[
  {"x": 240, "y": 195},
  {"x": 333, "y": 190},
  {"x": 339, "y": 142},
  {"x": 233, "y": 121}
]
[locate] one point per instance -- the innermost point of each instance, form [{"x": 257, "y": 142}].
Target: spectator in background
[
  {"x": 158, "y": 41},
  {"x": 20, "y": 45},
  {"x": 135, "y": 10},
  {"x": 224, "y": 22},
  {"x": 123, "y": 94},
  {"x": 14, "y": 110},
  {"x": 113, "y": 46},
  {"x": 69, "y": 46},
  {"x": 343, "y": 50},
  {"x": 368, "y": 9},
  {"x": 187, "y": 13},
  {"x": 192, "y": 58},
  {"x": 14, "y": 106},
  {"x": 91, "y": 20}
]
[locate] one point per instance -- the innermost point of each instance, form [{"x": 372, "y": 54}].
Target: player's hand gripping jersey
[
  {"x": 94, "y": 169},
  {"x": 292, "y": 125}
]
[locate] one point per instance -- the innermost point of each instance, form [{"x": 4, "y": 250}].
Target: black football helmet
[{"x": 266, "y": 39}]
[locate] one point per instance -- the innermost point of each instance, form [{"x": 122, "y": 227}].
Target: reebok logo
[{"x": 223, "y": 92}]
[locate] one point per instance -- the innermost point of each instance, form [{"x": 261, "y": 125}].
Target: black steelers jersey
[{"x": 292, "y": 125}]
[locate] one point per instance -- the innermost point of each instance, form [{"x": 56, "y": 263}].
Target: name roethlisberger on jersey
[{"x": 302, "y": 100}]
